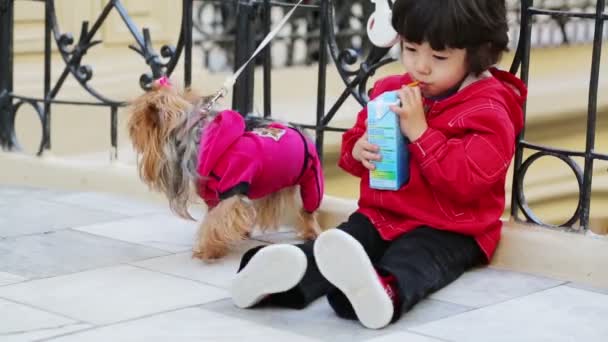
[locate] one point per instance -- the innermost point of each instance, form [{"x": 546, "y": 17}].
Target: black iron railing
[
  {"x": 334, "y": 44},
  {"x": 72, "y": 53},
  {"x": 215, "y": 23},
  {"x": 215, "y": 28},
  {"x": 7, "y": 123},
  {"x": 584, "y": 177},
  {"x": 555, "y": 28}
]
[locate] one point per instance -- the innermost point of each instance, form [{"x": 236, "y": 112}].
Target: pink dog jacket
[{"x": 256, "y": 163}]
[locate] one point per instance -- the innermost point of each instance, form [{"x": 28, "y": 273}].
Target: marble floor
[{"x": 97, "y": 267}]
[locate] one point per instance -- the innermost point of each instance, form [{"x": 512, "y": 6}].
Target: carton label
[{"x": 383, "y": 130}]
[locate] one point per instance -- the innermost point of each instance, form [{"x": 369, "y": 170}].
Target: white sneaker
[
  {"x": 344, "y": 263},
  {"x": 273, "y": 269}
]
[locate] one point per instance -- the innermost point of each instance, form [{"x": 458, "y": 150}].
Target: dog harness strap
[
  {"x": 306, "y": 154},
  {"x": 239, "y": 189},
  {"x": 317, "y": 184}
]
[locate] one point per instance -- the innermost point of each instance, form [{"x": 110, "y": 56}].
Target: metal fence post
[
  {"x": 596, "y": 57},
  {"x": 242, "y": 100},
  {"x": 324, "y": 12},
  {"x": 6, "y": 74}
]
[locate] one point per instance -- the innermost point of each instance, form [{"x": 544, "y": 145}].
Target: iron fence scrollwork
[{"x": 72, "y": 53}]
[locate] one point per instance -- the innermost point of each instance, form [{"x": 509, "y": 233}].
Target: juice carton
[{"x": 383, "y": 130}]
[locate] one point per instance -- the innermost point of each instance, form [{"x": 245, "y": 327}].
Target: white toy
[{"x": 379, "y": 28}]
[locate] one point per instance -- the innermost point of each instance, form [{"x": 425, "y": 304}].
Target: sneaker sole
[
  {"x": 273, "y": 269},
  {"x": 344, "y": 263}
]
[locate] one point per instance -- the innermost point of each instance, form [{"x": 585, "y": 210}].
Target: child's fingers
[
  {"x": 402, "y": 112},
  {"x": 368, "y": 165},
  {"x": 397, "y": 110},
  {"x": 410, "y": 97},
  {"x": 417, "y": 94},
  {"x": 401, "y": 95},
  {"x": 362, "y": 142},
  {"x": 367, "y": 146},
  {"x": 371, "y": 156}
]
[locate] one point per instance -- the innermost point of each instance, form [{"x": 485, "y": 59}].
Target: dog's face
[{"x": 154, "y": 116}]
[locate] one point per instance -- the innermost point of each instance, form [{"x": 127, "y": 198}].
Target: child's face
[{"x": 437, "y": 71}]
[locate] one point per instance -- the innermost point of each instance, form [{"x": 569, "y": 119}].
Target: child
[{"x": 400, "y": 246}]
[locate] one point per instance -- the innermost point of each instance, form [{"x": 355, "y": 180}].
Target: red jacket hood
[
  {"x": 227, "y": 127},
  {"x": 516, "y": 92}
]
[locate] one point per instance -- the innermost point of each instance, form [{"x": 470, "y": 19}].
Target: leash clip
[{"x": 222, "y": 92}]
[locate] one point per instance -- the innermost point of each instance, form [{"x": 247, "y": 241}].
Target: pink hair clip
[{"x": 164, "y": 82}]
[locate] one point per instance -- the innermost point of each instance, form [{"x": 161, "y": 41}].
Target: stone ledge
[
  {"x": 80, "y": 175},
  {"x": 556, "y": 254}
]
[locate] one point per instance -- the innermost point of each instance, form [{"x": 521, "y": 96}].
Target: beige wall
[{"x": 161, "y": 16}]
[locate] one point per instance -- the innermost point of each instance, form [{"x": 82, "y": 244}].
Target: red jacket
[
  {"x": 258, "y": 162},
  {"x": 457, "y": 167}
]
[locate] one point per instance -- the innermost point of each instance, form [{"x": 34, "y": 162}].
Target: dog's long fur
[{"x": 165, "y": 128}]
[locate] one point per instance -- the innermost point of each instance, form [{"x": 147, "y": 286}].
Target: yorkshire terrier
[{"x": 246, "y": 169}]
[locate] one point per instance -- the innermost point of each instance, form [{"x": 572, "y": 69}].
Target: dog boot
[
  {"x": 344, "y": 263},
  {"x": 273, "y": 269}
]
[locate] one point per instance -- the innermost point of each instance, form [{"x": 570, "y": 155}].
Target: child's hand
[
  {"x": 411, "y": 112},
  {"x": 366, "y": 152}
]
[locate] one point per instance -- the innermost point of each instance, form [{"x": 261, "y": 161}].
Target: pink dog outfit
[{"x": 258, "y": 162}]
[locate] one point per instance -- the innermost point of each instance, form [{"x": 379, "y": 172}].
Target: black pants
[{"x": 422, "y": 261}]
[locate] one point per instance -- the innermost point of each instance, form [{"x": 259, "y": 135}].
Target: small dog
[{"x": 246, "y": 170}]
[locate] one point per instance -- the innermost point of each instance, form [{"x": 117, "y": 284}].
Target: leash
[{"x": 231, "y": 80}]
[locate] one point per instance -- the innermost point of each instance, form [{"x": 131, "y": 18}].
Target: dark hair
[{"x": 479, "y": 26}]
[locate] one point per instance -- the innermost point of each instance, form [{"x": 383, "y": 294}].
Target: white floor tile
[
  {"x": 188, "y": 325},
  {"x": 162, "y": 231},
  {"x": 21, "y": 323},
  {"x": 602, "y": 290},
  {"x": 7, "y": 191},
  {"x": 485, "y": 286},
  {"x": 403, "y": 337},
  {"x": 25, "y": 216},
  {"x": 112, "y": 203},
  {"x": 429, "y": 310},
  {"x": 555, "y": 315},
  {"x": 319, "y": 321},
  {"x": 111, "y": 294},
  {"x": 66, "y": 251},
  {"x": 8, "y": 278},
  {"x": 219, "y": 273},
  {"x": 44, "y": 334}
]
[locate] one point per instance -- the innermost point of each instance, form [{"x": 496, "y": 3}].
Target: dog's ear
[
  {"x": 154, "y": 116},
  {"x": 172, "y": 108},
  {"x": 144, "y": 121},
  {"x": 144, "y": 133}
]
